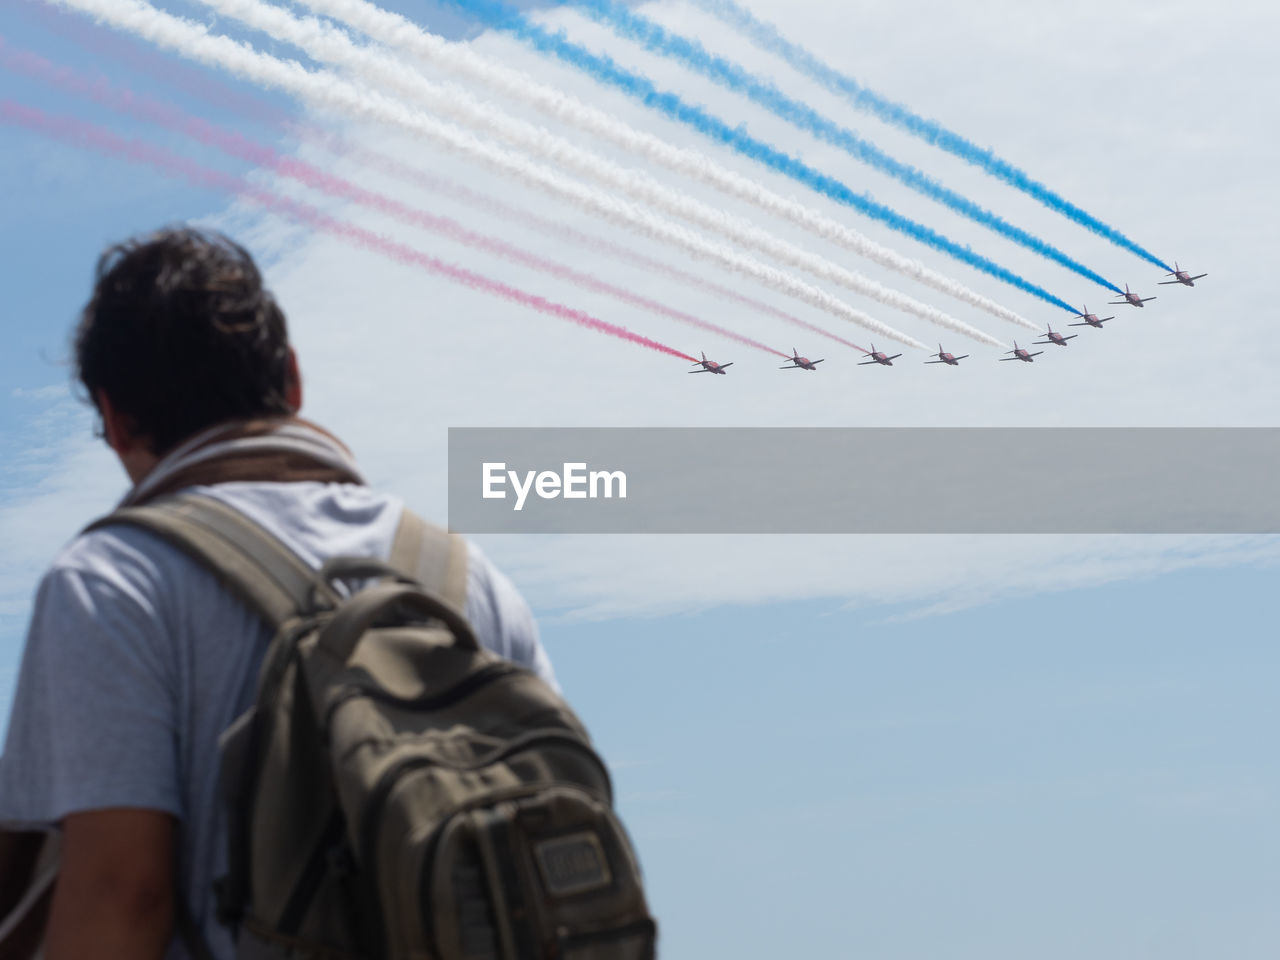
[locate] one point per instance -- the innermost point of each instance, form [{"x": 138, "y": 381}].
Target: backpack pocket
[
  {"x": 547, "y": 874},
  {"x": 527, "y": 864}
]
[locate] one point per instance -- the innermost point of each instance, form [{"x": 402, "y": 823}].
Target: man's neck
[{"x": 138, "y": 463}]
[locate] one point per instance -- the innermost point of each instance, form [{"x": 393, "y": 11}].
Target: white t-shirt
[{"x": 137, "y": 659}]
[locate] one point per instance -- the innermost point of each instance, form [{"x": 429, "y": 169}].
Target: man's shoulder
[
  {"x": 121, "y": 556},
  {"x": 315, "y": 520}
]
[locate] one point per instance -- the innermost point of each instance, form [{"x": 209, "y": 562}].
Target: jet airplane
[
  {"x": 1020, "y": 353},
  {"x": 1130, "y": 298},
  {"x": 710, "y": 366},
  {"x": 880, "y": 357},
  {"x": 949, "y": 359},
  {"x": 800, "y": 363},
  {"x": 1057, "y": 339},
  {"x": 1090, "y": 320},
  {"x": 1181, "y": 276}
]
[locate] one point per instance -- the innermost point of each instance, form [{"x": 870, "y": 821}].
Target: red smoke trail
[
  {"x": 213, "y": 90},
  {"x": 87, "y": 135},
  {"x": 233, "y": 143}
]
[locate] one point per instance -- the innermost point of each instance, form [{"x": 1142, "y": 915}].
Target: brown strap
[
  {"x": 261, "y": 570},
  {"x": 433, "y": 557}
]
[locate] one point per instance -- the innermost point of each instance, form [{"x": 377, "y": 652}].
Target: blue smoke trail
[
  {"x": 499, "y": 16},
  {"x": 767, "y": 37},
  {"x": 647, "y": 33}
]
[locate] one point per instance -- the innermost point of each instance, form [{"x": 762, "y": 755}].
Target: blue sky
[
  {"x": 884, "y": 747},
  {"x": 1089, "y": 781},
  {"x": 1084, "y": 774}
]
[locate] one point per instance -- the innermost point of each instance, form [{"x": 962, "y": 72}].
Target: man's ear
[
  {"x": 293, "y": 383},
  {"x": 117, "y": 428},
  {"x": 132, "y": 449}
]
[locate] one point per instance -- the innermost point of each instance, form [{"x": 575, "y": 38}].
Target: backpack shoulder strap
[
  {"x": 255, "y": 565},
  {"x": 433, "y": 557}
]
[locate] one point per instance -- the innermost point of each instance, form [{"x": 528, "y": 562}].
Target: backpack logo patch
[{"x": 573, "y": 864}]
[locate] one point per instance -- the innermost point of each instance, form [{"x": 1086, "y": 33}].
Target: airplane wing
[
  {"x": 703, "y": 370},
  {"x": 1145, "y": 299},
  {"x": 867, "y": 363},
  {"x": 931, "y": 361},
  {"x": 1198, "y": 276},
  {"x": 963, "y": 356},
  {"x": 1166, "y": 283},
  {"x": 724, "y": 365},
  {"x": 894, "y": 357},
  {"x": 1037, "y": 353},
  {"x": 1040, "y": 343},
  {"x": 1072, "y": 337},
  {"x": 1079, "y": 325},
  {"x": 815, "y": 362},
  {"x": 794, "y": 366},
  {"x": 1003, "y": 359}
]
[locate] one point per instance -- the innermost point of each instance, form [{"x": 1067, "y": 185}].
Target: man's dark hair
[{"x": 180, "y": 334}]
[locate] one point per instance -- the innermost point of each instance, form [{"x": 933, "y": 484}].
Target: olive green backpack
[{"x": 396, "y": 791}]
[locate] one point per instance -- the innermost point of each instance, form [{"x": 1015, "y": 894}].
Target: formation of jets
[{"x": 1051, "y": 336}]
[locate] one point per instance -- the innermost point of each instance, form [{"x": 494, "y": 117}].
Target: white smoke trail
[
  {"x": 396, "y": 31},
  {"x": 194, "y": 41},
  {"x": 327, "y": 44},
  {"x": 546, "y": 226}
]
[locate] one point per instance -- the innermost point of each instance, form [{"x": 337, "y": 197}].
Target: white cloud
[
  {"x": 606, "y": 577},
  {"x": 58, "y": 481},
  {"x": 50, "y": 392},
  {"x": 394, "y": 356}
]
